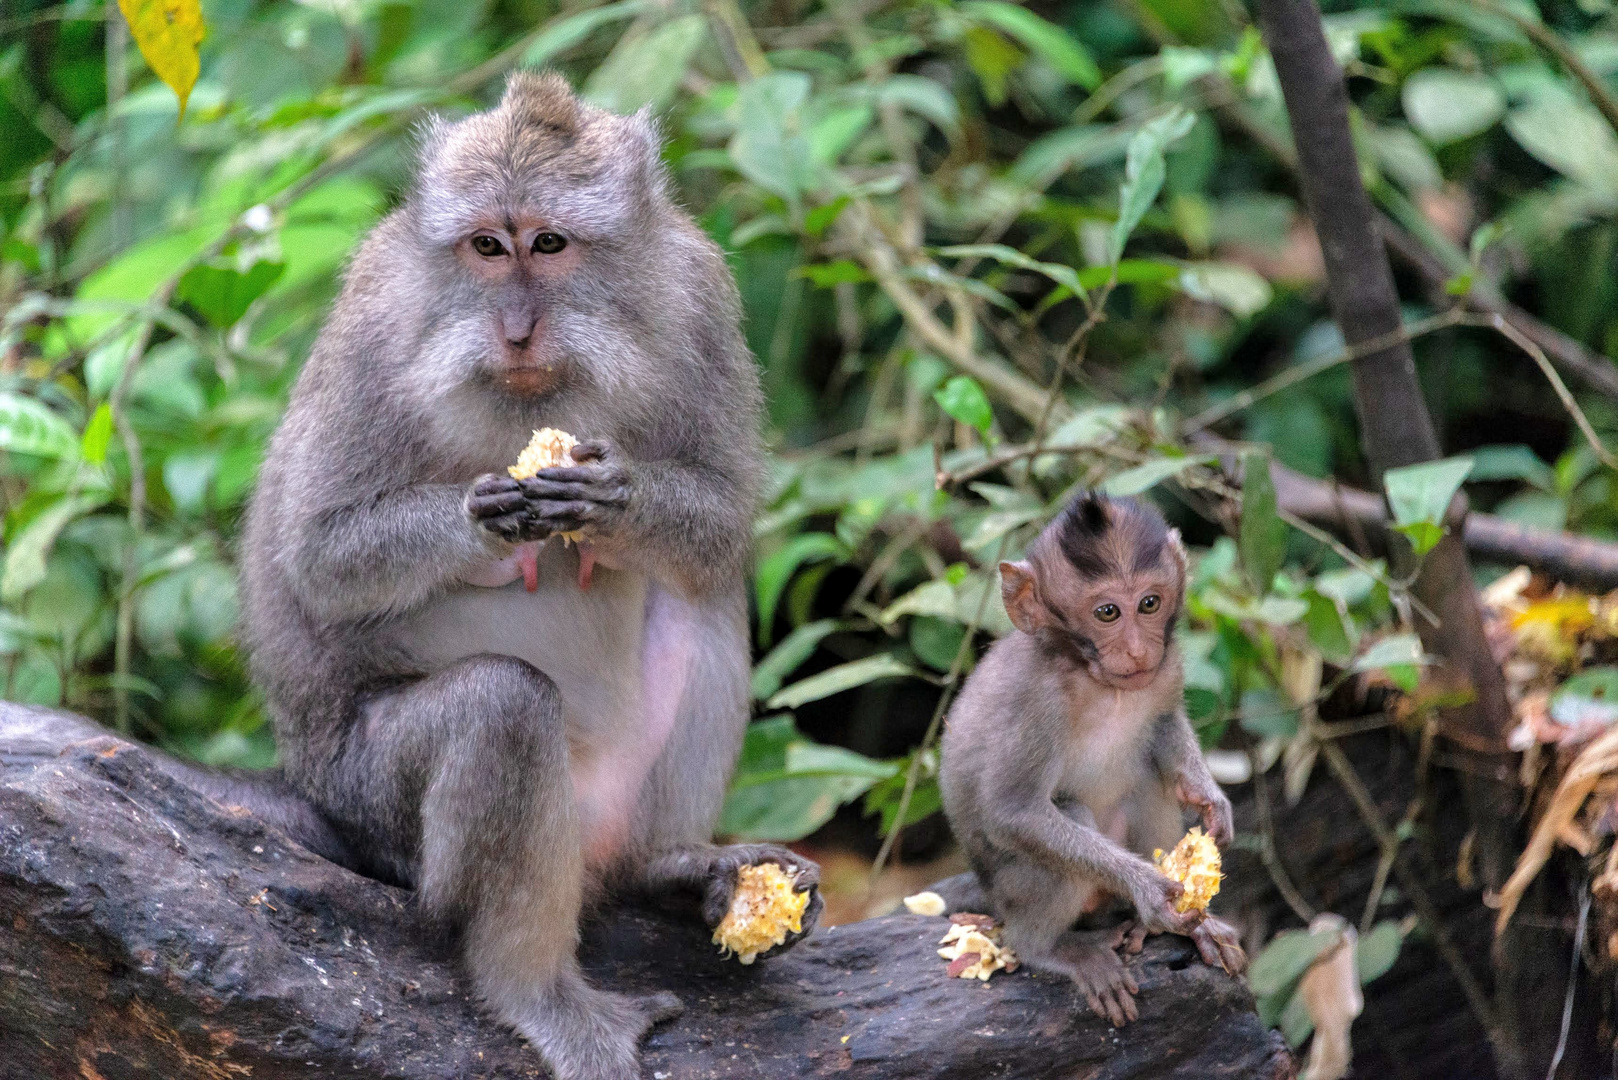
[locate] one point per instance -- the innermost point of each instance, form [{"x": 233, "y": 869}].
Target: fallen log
[{"x": 147, "y": 931}]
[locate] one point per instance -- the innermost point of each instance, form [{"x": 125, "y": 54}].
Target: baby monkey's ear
[{"x": 1020, "y": 591}]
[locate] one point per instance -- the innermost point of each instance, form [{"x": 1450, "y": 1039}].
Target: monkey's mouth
[
  {"x": 1134, "y": 680},
  {"x": 528, "y": 379}
]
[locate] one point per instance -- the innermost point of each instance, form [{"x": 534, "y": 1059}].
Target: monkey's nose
[{"x": 518, "y": 329}]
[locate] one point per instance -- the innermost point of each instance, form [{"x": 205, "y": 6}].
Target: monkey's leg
[
  {"x": 1039, "y": 906},
  {"x": 697, "y": 665},
  {"x": 470, "y": 768}
]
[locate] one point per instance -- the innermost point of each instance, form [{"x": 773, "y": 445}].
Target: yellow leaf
[{"x": 168, "y": 33}]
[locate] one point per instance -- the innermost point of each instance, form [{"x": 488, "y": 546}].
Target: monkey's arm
[
  {"x": 1022, "y": 816},
  {"x": 384, "y": 552},
  {"x": 1178, "y": 759}
]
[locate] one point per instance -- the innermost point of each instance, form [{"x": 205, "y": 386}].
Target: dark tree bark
[
  {"x": 1396, "y": 430},
  {"x": 149, "y": 933}
]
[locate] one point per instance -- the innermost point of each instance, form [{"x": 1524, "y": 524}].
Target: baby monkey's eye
[
  {"x": 549, "y": 243},
  {"x": 1148, "y": 604},
  {"x": 487, "y": 246},
  {"x": 1108, "y": 612}
]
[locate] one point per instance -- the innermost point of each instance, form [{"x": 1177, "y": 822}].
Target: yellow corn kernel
[
  {"x": 766, "y": 907},
  {"x": 1194, "y": 863}
]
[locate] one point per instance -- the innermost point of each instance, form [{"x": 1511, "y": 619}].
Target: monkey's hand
[
  {"x": 720, "y": 886},
  {"x": 1220, "y": 945},
  {"x": 1212, "y": 804},
  {"x": 1153, "y": 894},
  {"x": 590, "y": 498}
]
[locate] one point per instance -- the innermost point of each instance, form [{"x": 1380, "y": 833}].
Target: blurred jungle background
[{"x": 990, "y": 253}]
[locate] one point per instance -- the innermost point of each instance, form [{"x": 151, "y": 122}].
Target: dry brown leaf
[
  {"x": 1330, "y": 990},
  {"x": 1593, "y": 763}
]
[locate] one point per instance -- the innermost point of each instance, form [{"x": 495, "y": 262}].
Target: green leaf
[
  {"x": 1065, "y": 276},
  {"x": 28, "y": 551},
  {"x": 1571, "y": 137},
  {"x": 962, "y": 398},
  {"x": 1144, "y": 173},
  {"x": 992, "y": 59},
  {"x": 840, "y": 678},
  {"x": 1397, "y": 650},
  {"x": 1281, "y": 963},
  {"x": 1238, "y": 289},
  {"x": 1144, "y": 477},
  {"x": 564, "y": 33},
  {"x": 792, "y": 651},
  {"x": 936, "y": 642},
  {"x": 1131, "y": 272},
  {"x": 1378, "y": 951},
  {"x": 776, "y": 571},
  {"x": 787, "y": 807},
  {"x": 1263, "y": 540},
  {"x": 1446, "y": 105},
  {"x": 1512, "y": 462},
  {"x": 807, "y": 758},
  {"x": 840, "y": 272},
  {"x": 1267, "y": 715},
  {"x": 646, "y": 69},
  {"x": 28, "y": 426},
  {"x": 97, "y": 435},
  {"x": 1589, "y": 697},
  {"x": 769, "y": 147},
  {"x": 1047, "y": 41},
  {"x": 1422, "y": 493},
  {"x": 221, "y": 293}
]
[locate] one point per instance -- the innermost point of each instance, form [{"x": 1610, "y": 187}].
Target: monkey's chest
[
  {"x": 618, "y": 676},
  {"x": 1110, "y": 757}
]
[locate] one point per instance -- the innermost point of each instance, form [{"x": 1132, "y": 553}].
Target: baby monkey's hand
[
  {"x": 1153, "y": 895},
  {"x": 590, "y": 497},
  {"x": 1212, "y": 804}
]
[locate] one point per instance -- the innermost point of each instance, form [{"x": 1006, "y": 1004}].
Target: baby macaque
[{"x": 1069, "y": 758}]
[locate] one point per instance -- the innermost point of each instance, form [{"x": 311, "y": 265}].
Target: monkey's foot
[
  {"x": 1090, "y": 958},
  {"x": 720, "y": 887},
  {"x": 1220, "y": 945},
  {"x": 590, "y": 1034}
]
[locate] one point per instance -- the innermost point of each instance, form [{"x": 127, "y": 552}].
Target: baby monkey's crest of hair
[{"x": 1107, "y": 537}]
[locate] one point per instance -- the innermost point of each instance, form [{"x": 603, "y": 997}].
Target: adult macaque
[
  {"x": 515, "y": 754},
  {"x": 1069, "y": 756}
]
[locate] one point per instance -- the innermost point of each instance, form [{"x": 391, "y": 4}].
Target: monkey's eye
[
  {"x": 1108, "y": 612},
  {"x": 488, "y": 246},
  {"x": 549, "y": 243},
  {"x": 1149, "y": 604}
]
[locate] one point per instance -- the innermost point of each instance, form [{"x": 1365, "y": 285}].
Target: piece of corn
[
  {"x": 1194, "y": 863},
  {"x": 925, "y": 903},
  {"x": 764, "y": 909},
  {"x": 548, "y": 449},
  {"x": 973, "y": 948}
]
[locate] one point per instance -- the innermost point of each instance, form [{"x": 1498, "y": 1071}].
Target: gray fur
[
  {"x": 516, "y": 754},
  {"x": 1058, "y": 783}
]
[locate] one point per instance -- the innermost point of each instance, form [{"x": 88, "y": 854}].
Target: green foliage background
[{"x": 913, "y": 193}]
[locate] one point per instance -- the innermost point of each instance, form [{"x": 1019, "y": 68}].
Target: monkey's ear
[
  {"x": 1021, "y": 595},
  {"x": 1177, "y": 551}
]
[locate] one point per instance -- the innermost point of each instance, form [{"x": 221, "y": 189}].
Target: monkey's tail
[{"x": 267, "y": 796}]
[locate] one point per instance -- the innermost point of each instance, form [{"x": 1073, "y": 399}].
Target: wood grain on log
[{"x": 149, "y": 932}]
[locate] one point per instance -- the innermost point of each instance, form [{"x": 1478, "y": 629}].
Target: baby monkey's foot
[
  {"x": 1090, "y": 958},
  {"x": 1220, "y": 945},
  {"x": 722, "y": 877}
]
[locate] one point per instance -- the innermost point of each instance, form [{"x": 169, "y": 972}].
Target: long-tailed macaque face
[
  {"x": 1104, "y": 582},
  {"x": 529, "y": 215}
]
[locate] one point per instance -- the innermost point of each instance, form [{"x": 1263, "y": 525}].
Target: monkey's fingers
[
  {"x": 591, "y": 483},
  {"x": 591, "y": 450},
  {"x": 1134, "y": 937},
  {"x": 495, "y": 504},
  {"x": 493, "y": 484}
]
